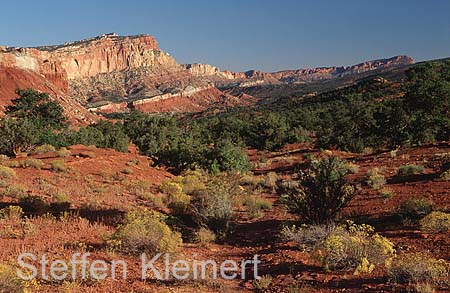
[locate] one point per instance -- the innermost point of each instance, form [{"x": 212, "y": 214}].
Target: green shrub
[
  {"x": 59, "y": 166},
  {"x": 146, "y": 231},
  {"x": 374, "y": 179},
  {"x": 63, "y": 152},
  {"x": 418, "y": 267},
  {"x": 7, "y": 173},
  {"x": 42, "y": 149},
  {"x": 33, "y": 163},
  {"x": 436, "y": 222},
  {"x": 321, "y": 193},
  {"x": 415, "y": 208},
  {"x": 408, "y": 170}
]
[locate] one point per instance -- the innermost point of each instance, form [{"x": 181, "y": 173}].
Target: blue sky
[{"x": 244, "y": 34}]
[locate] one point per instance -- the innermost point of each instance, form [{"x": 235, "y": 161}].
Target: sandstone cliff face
[
  {"x": 109, "y": 66},
  {"x": 109, "y": 53},
  {"x": 298, "y": 75},
  {"x": 87, "y": 58},
  {"x": 121, "y": 70}
]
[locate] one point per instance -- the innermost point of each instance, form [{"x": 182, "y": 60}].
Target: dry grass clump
[
  {"x": 256, "y": 205},
  {"x": 204, "y": 236}
]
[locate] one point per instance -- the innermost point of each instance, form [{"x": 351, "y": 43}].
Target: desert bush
[
  {"x": 213, "y": 208},
  {"x": 12, "y": 164},
  {"x": 63, "y": 152},
  {"x": 308, "y": 237},
  {"x": 322, "y": 192},
  {"x": 263, "y": 283},
  {"x": 146, "y": 231},
  {"x": 33, "y": 163},
  {"x": 3, "y": 158},
  {"x": 446, "y": 164},
  {"x": 386, "y": 193},
  {"x": 155, "y": 201},
  {"x": 424, "y": 287},
  {"x": 407, "y": 170},
  {"x": 59, "y": 166},
  {"x": 176, "y": 199},
  {"x": 248, "y": 179},
  {"x": 415, "y": 208},
  {"x": 60, "y": 203},
  {"x": 418, "y": 267},
  {"x": 42, "y": 149},
  {"x": 255, "y": 205},
  {"x": 88, "y": 155},
  {"x": 351, "y": 247},
  {"x": 13, "y": 213},
  {"x": 34, "y": 205},
  {"x": 436, "y": 222},
  {"x": 7, "y": 173},
  {"x": 204, "y": 236},
  {"x": 356, "y": 248},
  {"x": 15, "y": 191},
  {"x": 375, "y": 179},
  {"x": 133, "y": 163},
  {"x": 270, "y": 180},
  {"x": 352, "y": 167},
  {"x": 10, "y": 282},
  {"x": 127, "y": 171},
  {"x": 445, "y": 175}
]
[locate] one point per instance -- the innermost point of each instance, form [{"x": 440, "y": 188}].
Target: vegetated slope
[
  {"x": 12, "y": 78},
  {"x": 102, "y": 178}
]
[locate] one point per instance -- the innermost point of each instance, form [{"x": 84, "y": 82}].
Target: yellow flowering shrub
[
  {"x": 146, "y": 231},
  {"x": 10, "y": 282},
  {"x": 436, "y": 222}
]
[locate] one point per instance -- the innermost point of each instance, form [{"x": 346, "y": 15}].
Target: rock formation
[{"x": 123, "y": 70}]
